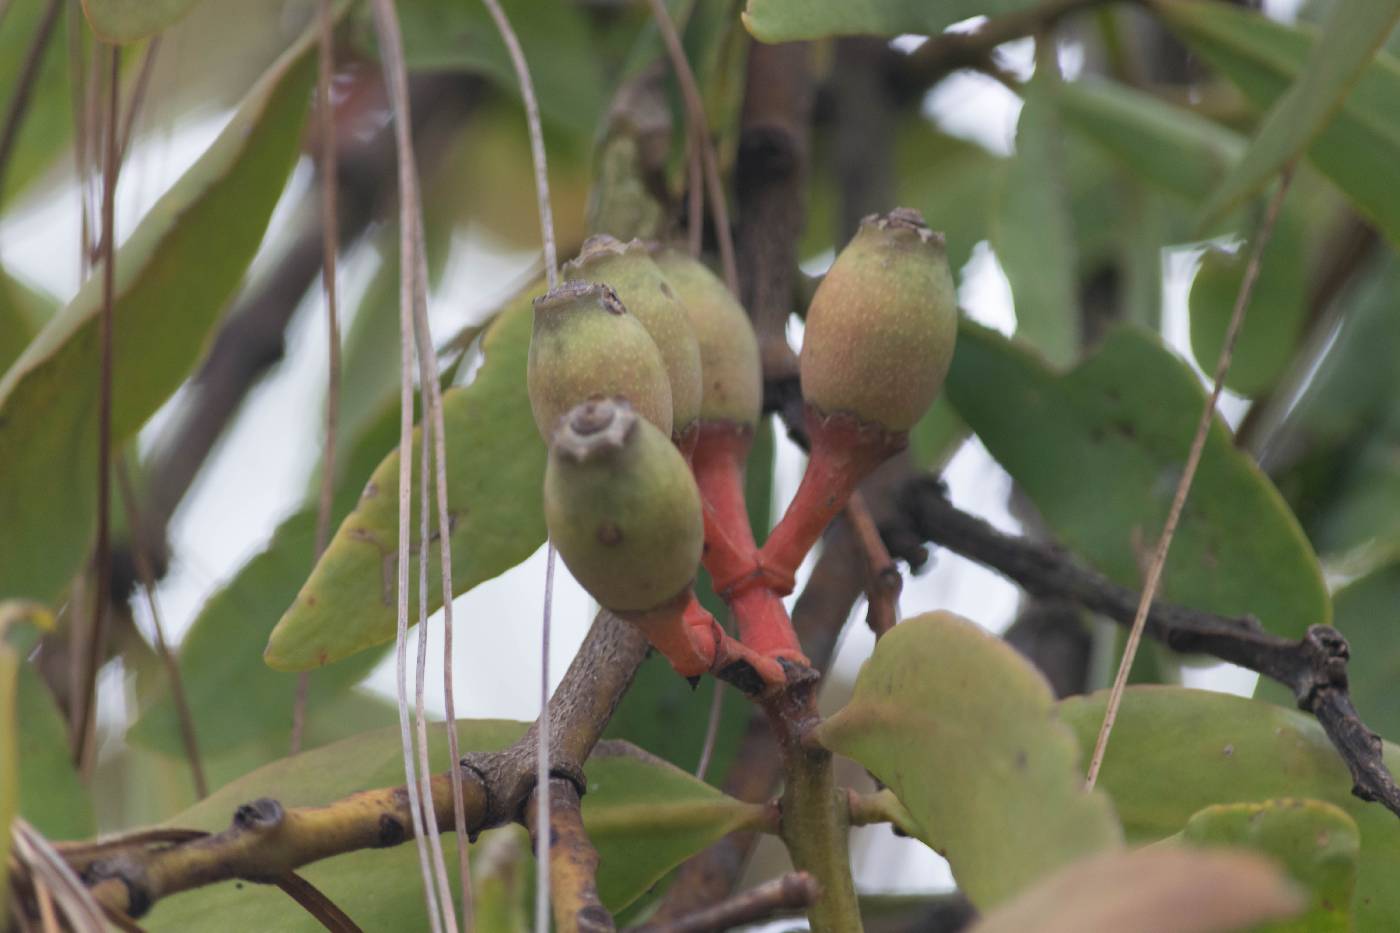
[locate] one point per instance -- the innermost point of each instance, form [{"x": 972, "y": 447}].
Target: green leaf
[
  {"x": 129, "y": 20},
  {"x": 1314, "y": 841},
  {"x": 1183, "y": 153},
  {"x": 1099, "y": 451},
  {"x": 1273, "y": 321},
  {"x": 48, "y": 124},
  {"x": 934, "y": 440},
  {"x": 1359, "y": 149},
  {"x": 1158, "y": 890},
  {"x": 1032, "y": 232},
  {"x": 646, "y": 816},
  {"x": 174, "y": 276},
  {"x": 788, "y": 20},
  {"x": 1355, "y": 29},
  {"x": 963, "y": 730},
  {"x": 1176, "y": 751},
  {"x": 51, "y": 795},
  {"x": 557, "y": 42},
  {"x": 22, "y": 314},
  {"x": 1365, "y": 614},
  {"x": 1169, "y": 146},
  {"x": 495, "y": 463}
]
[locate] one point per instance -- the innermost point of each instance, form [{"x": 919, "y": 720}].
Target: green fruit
[
  {"x": 631, "y": 272},
  {"x": 730, "y": 370},
  {"x": 585, "y": 345},
  {"x": 622, "y": 507},
  {"x": 881, "y": 327}
]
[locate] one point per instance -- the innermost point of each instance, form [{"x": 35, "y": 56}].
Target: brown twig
[
  {"x": 167, "y": 657},
  {"x": 138, "y": 95},
  {"x": 793, "y": 891},
  {"x": 102, "y": 552},
  {"x": 883, "y": 580},
  {"x": 1188, "y": 474},
  {"x": 315, "y": 903},
  {"x": 1313, "y": 667},
  {"x": 573, "y": 861},
  {"x": 24, "y": 86},
  {"x": 265, "y": 840}
]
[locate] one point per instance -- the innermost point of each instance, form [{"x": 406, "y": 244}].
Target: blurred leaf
[
  {"x": 48, "y": 125},
  {"x": 556, "y": 39},
  {"x": 1176, "y": 751},
  {"x": 1169, "y": 146},
  {"x": 23, "y": 312},
  {"x": 934, "y": 440},
  {"x": 787, "y": 20},
  {"x": 51, "y": 795},
  {"x": 1184, "y": 153},
  {"x": 1360, "y": 149},
  {"x": 1099, "y": 451},
  {"x": 643, "y": 815},
  {"x": 1158, "y": 890},
  {"x": 1273, "y": 321},
  {"x": 502, "y": 892},
  {"x": 129, "y": 20},
  {"x": 1366, "y": 613},
  {"x": 951, "y": 181},
  {"x": 495, "y": 462},
  {"x": 1315, "y": 842},
  {"x": 174, "y": 276},
  {"x": 1032, "y": 233},
  {"x": 1363, "y": 510},
  {"x": 9, "y": 764},
  {"x": 991, "y": 778},
  {"x": 1354, "y": 31},
  {"x": 646, "y": 816}
]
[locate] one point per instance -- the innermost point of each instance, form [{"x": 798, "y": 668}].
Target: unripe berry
[
  {"x": 631, "y": 272},
  {"x": 881, "y": 326},
  {"x": 585, "y": 345},
  {"x": 622, "y": 508},
  {"x": 729, "y": 362}
]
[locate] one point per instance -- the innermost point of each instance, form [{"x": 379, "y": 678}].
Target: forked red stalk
[{"x": 844, "y": 451}]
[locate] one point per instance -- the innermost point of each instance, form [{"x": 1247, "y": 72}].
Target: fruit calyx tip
[
  {"x": 904, "y": 218},
  {"x": 569, "y": 294},
  {"x": 595, "y": 428}
]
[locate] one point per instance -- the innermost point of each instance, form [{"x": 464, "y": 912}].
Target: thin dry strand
[
  {"x": 396, "y": 78},
  {"x": 1183, "y": 486},
  {"x": 18, "y": 106},
  {"x": 551, "y": 267}
]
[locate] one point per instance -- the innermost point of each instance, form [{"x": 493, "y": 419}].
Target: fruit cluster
[{"x": 645, "y": 380}]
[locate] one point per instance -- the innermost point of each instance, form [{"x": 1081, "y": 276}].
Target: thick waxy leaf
[
  {"x": 644, "y": 816},
  {"x": 1359, "y": 149},
  {"x": 1181, "y": 152},
  {"x": 173, "y": 278},
  {"x": 1176, "y": 751},
  {"x": 788, "y": 20},
  {"x": 1032, "y": 231},
  {"x": 1160, "y": 890},
  {"x": 1099, "y": 451},
  {"x": 129, "y": 20},
  {"x": 1315, "y": 842},
  {"x": 48, "y": 125},
  {"x": 51, "y": 795},
  {"x": 22, "y": 314},
  {"x": 1355, "y": 29},
  {"x": 495, "y": 463},
  {"x": 963, "y": 730}
]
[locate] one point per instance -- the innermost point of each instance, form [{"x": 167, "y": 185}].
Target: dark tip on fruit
[
  {"x": 600, "y": 244},
  {"x": 595, "y": 428},
  {"x": 904, "y": 218},
  {"x": 567, "y": 294}
]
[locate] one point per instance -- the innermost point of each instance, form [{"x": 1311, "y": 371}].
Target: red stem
[
  {"x": 717, "y": 461},
  {"x": 845, "y": 450}
]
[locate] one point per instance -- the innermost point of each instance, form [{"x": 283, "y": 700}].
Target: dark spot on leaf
[{"x": 666, "y": 290}]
